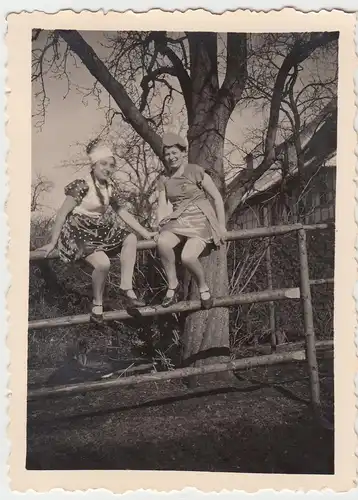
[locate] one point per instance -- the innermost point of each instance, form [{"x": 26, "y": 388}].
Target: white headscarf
[{"x": 100, "y": 152}]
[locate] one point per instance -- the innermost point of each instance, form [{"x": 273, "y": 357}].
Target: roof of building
[
  {"x": 273, "y": 177},
  {"x": 318, "y": 142}
]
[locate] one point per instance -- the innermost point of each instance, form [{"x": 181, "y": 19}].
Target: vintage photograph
[
  {"x": 182, "y": 251},
  {"x": 179, "y": 285}
]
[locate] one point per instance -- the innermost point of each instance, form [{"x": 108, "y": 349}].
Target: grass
[{"x": 251, "y": 426}]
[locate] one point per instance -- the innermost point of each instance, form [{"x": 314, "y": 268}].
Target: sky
[{"x": 71, "y": 122}]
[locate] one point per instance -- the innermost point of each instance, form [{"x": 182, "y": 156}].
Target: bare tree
[
  {"x": 143, "y": 73},
  {"x": 39, "y": 186},
  {"x": 306, "y": 132}
]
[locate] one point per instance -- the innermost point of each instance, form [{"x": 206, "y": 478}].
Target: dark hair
[
  {"x": 98, "y": 192},
  {"x": 179, "y": 146}
]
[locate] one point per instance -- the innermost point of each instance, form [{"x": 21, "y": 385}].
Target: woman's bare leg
[
  {"x": 101, "y": 264},
  {"x": 128, "y": 259},
  {"x": 189, "y": 257},
  {"x": 167, "y": 241}
]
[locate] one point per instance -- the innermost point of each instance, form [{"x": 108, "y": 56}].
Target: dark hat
[{"x": 171, "y": 139}]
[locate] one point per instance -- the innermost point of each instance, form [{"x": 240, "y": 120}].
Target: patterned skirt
[
  {"x": 81, "y": 235},
  {"x": 192, "y": 223}
]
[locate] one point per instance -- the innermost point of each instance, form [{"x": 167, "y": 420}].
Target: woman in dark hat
[
  {"x": 193, "y": 220},
  {"x": 91, "y": 225}
]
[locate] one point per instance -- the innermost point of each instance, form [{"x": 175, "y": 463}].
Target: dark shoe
[
  {"x": 206, "y": 303},
  {"x": 130, "y": 301},
  {"x": 168, "y": 301},
  {"x": 96, "y": 318}
]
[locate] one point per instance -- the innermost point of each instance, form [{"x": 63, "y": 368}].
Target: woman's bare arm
[
  {"x": 213, "y": 191},
  {"x": 134, "y": 224},
  {"x": 162, "y": 209},
  {"x": 67, "y": 206}
]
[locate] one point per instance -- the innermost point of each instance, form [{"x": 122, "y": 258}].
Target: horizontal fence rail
[
  {"x": 236, "y": 365},
  {"x": 184, "y": 306},
  {"x": 302, "y": 292},
  {"x": 322, "y": 281},
  {"x": 241, "y": 234}
]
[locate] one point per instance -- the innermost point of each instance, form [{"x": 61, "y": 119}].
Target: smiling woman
[
  {"x": 193, "y": 220},
  {"x": 89, "y": 225}
]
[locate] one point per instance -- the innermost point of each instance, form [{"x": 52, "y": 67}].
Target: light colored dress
[
  {"x": 93, "y": 224},
  {"x": 193, "y": 215}
]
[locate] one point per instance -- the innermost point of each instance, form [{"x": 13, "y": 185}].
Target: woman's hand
[
  {"x": 164, "y": 220},
  {"x": 47, "y": 249},
  {"x": 223, "y": 232},
  {"x": 212, "y": 190},
  {"x": 149, "y": 235}
]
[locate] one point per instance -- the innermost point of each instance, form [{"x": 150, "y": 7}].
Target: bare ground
[{"x": 260, "y": 424}]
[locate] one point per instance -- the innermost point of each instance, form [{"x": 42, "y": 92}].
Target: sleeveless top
[{"x": 186, "y": 192}]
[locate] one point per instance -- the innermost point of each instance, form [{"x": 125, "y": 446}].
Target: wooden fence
[{"x": 303, "y": 292}]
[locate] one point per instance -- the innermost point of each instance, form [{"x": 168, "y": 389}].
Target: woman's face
[
  {"x": 104, "y": 169},
  {"x": 174, "y": 157}
]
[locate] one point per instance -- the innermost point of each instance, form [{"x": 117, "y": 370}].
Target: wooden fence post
[
  {"x": 308, "y": 324},
  {"x": 272, "y": 322}
]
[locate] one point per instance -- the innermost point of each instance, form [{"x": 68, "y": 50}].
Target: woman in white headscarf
[{"x": 89, "y": 225}]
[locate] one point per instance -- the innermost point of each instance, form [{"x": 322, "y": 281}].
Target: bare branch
[
  {"x": 161, "y": 44},
  {"x": 152, "y": 77},
  {"x": 315, "y": 134},
  {"x": 39, "y": 186},
  {"x": 236, "y": 68},
  {"x": 203, "y": 67},
  {"x": 35, "y": 34},
  {"x": 98, "y": 69},
  {"x": 299, "y": 52}
]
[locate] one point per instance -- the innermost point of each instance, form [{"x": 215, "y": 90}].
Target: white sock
[
  {"x": 97, "y": 309},
  {"x": 170, "y": 291},
  {"x": 205, "y": 294},
  {"x": 130, "y": 293}
]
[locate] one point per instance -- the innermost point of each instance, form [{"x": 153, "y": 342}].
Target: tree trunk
[{"x": 206, "y": 333}]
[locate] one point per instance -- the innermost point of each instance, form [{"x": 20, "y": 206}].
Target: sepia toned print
[{"x": 188, "y": 235}]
